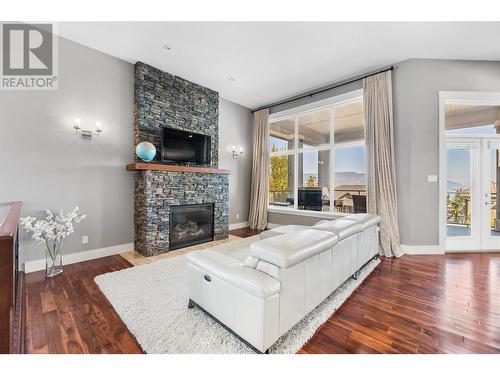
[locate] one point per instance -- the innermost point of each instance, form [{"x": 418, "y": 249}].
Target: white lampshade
[
  {"x": 98, "y": 126},
  {"x": 77, "y": 122}
]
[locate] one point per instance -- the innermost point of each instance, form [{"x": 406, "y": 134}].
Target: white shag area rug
[{"x": 152, "y": 301}]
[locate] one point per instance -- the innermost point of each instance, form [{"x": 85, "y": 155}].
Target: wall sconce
[
  {"x": 87, "y": 134},
  {"x": 237, "y": 155}
]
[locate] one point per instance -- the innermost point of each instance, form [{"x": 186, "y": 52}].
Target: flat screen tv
[
  {"x": 310, "y": 196},
  {"x": 178, "y": 146}
]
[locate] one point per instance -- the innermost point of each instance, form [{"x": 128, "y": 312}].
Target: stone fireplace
[
  {"x": 167, "y": 196},
  {"x": 158, "y": 191}
]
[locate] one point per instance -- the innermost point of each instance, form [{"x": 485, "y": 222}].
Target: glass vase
[{"x": 53, "y": 259}]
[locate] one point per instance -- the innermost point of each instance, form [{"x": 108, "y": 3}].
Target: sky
[
  {"x": 459, "y": 169},
  {"x": 475, "y": 130}
]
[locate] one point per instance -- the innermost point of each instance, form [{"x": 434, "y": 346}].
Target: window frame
[{"x": 296, "y": 112}]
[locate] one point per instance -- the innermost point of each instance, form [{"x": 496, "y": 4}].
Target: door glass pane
[
  {"x": 281, "y": 181},
  {"x": 459, "y": 188},
  {"x": 314, "y": 179},
  {"x": 282, "y": 135},
  {"x": 314, "y": 129},
  {"x": 494, "y": 178}
]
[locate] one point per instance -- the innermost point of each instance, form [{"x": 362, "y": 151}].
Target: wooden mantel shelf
[{"x": 174, "y": 168}]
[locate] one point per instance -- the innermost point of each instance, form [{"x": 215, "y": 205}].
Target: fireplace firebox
[{"x": 191, "y": 224}]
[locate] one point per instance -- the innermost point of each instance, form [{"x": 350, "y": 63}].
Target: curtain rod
[{"x": 328, "y": 88}]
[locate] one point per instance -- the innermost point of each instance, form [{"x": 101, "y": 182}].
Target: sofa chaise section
[{"x": 242, "y": 298}]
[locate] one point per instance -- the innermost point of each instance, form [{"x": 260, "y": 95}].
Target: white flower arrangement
[{"x": 51, "y": 231}]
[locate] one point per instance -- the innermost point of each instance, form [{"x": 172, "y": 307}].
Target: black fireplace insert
[{"x": 191, "y": 224}]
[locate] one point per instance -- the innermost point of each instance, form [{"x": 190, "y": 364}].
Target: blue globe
[{"x": 145, "y": 151}]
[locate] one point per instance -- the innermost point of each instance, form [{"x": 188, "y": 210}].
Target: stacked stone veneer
[
  {"x": 157, "y": 191},
  {"x": 161, "y": 99}
]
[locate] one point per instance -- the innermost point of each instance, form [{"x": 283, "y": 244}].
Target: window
[
  {"x": 282, "y": 135},
  {"x": 317, "y": 159}
]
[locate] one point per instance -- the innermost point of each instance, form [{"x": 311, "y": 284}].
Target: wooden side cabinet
[{"x": 9, "y": 281}]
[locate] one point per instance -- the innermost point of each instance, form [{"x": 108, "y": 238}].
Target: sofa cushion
[
  {"x": 366, "y": 220},
  {"x": 269, "y": 233},
  {"x": 294, "y": 247},
  {"x": 341, "y": 227},
  {"x": 282, "y": 230},
  {"x": 234, "y": 272},
  {"x": 251, "y": 261},
  {"x": 322, "y": 221},
  {"x": 269, "y": 268}
]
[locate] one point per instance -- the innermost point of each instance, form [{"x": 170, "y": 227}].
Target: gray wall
[
  {"x": 416, "y": 84},
  {"x": 235, "y": 128},
  {"x": 46, "y": 165}
]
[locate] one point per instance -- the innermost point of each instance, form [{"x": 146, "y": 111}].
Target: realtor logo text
[{"x": 29, "y": 57}]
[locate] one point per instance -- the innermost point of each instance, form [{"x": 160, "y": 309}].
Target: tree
[
  {"x": 456, "y": 207},
  {"x": 278, "y": 180},
  {"x": 312, "y": 181}
]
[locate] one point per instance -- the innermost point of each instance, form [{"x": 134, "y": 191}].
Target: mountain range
[
  {"x": 344, "y": 178},
  {"x": 354, "y": 178},
  {"x": 350, "y": 178}
]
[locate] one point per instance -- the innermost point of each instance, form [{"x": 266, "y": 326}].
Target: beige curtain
[
  {"x": 381, "y": 181},
  {"x": 257, "y": 218}
]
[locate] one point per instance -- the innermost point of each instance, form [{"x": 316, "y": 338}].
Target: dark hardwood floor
[
  {"x": 69, "y": 314},
  {"x": 419, "y": 304},
  {"x": 414, "y": 304},
  {"x": 245, "y": 232}
]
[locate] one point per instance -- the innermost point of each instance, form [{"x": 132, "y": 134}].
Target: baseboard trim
[
  {"x": 39, "y": 264},
  {"x": 407, "y": 249},
  {"x": 272, "y": 225},
  {"x": 421, "y": 250},
  {"x": 243, "y": 224}
]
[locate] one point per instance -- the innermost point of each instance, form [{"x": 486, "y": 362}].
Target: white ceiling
[{"x": 273, "y": 61}]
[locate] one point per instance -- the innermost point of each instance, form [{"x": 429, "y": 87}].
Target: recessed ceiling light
[
  {"x": 166, "y": 47},
  {"x": 231, "y": 79}
]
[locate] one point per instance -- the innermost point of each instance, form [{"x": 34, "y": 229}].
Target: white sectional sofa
[{"x": 261, "y": 291}]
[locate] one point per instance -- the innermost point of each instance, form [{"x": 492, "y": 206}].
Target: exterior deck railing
[{"x": 459, "y": 208}]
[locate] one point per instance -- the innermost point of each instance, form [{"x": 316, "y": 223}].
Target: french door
[{"x": 472, "y": 217}]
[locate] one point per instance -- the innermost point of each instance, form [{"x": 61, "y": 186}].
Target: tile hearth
[{"x": 138, "y": 259}]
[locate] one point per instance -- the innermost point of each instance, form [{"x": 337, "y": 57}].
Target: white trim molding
[
  {"x": 272, "y": 225},
  {"x": 317, "y": 105},
  {"x": 39, "y": 264},
  {"x": 422, "y": 249},
  {"x": 243, "y": 224}
]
